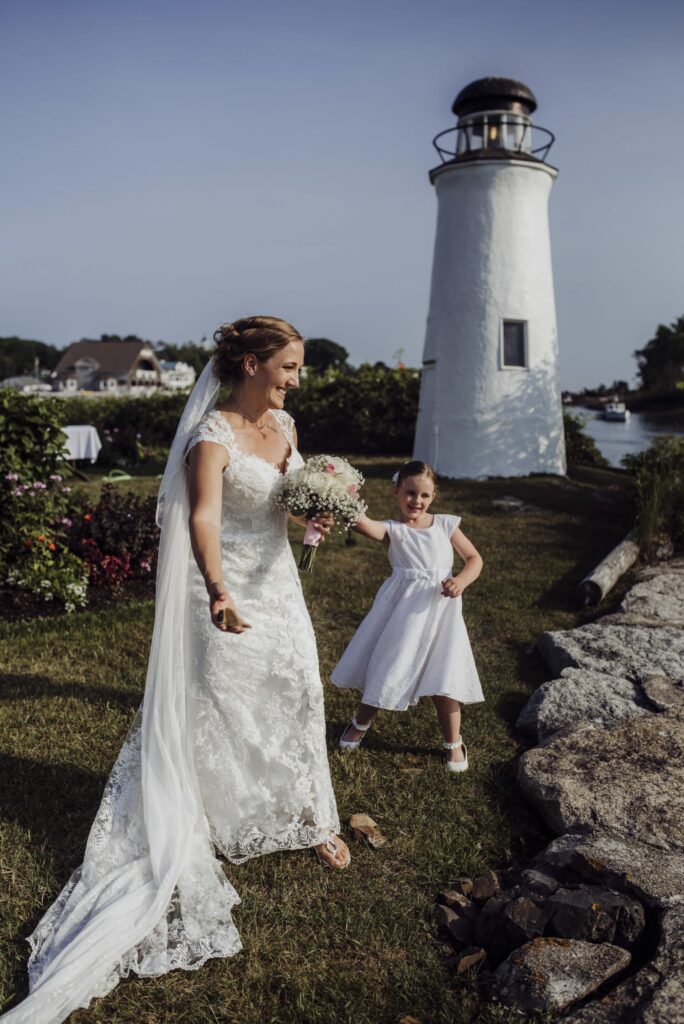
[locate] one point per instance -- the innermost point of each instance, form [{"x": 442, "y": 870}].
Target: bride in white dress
[{"x": 228, "y": 749}]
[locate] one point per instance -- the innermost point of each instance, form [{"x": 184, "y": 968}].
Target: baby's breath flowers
[{"x": 325, "y": 483}]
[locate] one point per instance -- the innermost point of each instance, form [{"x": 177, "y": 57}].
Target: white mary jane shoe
[
  {"x": 352, "y": 744},
  {"x": 457, "y": 766}
]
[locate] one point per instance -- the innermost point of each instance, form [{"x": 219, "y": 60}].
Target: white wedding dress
[{"x": 227, "y": 752}]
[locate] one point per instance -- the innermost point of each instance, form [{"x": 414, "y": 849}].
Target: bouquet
[{"x": 325, "y": 483}]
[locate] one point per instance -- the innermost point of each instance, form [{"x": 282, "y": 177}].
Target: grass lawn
[{"x": 321, "y": 947}]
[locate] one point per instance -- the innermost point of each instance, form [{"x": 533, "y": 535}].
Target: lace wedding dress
[{"x": 227, "y": 751}]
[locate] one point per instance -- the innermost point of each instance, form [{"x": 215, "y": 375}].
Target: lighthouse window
[{"x": 514, "y": 332}]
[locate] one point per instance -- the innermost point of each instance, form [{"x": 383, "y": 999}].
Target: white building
[
  {"x": 176, "y": 376},
  {"x": 490, "y": 400},
  {"x": 112, "y": 367}
]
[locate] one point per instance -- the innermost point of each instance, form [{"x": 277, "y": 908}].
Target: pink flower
[
  {"x": 11, "y": 476},
  {"x": 55, "y": 476},
  {"x": 145, "y": 565},
  {"x": 352, "y": 489},
  {"x": 38, "y": 485},
  {"x": 330, "y": 468},
  {"x": 66, "y": 490},
  {"x": 66, "y": 521}
]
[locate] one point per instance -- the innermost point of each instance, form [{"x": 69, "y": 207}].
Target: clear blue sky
[{"x": 168, "y": 166}]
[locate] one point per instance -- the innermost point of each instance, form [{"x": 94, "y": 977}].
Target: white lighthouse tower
[{"x": 490, "y": 401}]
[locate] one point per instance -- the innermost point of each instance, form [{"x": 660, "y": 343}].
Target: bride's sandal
[
  {"x": 332, "y": 846},
  {"x": 352, "y": 744},
  {"x": 457, "y": 766}
]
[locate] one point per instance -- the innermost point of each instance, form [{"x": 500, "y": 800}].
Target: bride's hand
[{"x": 221, "y": 604}]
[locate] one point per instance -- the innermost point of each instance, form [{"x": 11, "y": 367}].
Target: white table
[{"x": 83, "y": 442}]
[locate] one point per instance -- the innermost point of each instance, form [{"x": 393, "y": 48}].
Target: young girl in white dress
[{"x": 413, "y": 643}]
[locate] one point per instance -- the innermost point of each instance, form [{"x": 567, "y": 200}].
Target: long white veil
[{"x": 150, "y": 895}]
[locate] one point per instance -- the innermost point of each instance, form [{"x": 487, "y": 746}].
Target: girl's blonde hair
[{"x": 415, "y": 468}]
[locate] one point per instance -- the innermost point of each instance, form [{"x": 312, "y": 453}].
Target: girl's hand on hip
[{"x": 451, "y": 587}]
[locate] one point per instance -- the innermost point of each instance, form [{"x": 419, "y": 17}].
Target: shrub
[
  {"x": 117, "y": 537},
  {"x": 658, "y": 482},
  {"x": 33, "y": 551},
  {"x": 581, "y": 450},
  {"x": 31, "y": 438}
]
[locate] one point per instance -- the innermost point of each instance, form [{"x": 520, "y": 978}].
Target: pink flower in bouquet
[
  {"x": 352, "y": 489},
  {"x": 330, "y": 468}
]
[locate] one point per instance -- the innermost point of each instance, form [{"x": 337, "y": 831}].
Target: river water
[{"x": 617, "y": 439}]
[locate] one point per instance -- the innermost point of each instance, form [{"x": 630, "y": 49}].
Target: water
[{"x": 617, "y": 439}]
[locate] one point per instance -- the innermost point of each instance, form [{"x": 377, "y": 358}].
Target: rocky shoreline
[{"x": 593, "y": 929}]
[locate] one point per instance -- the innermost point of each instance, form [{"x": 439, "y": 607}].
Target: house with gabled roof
[{"x": 129, "y": 366}]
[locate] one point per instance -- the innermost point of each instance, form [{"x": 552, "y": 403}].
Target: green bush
[
  {"x": 658, "y": 482},
  {"x": 31, "y": 438},
  {"x": 581, "y": 450},
  {"x": 371, "y": 411}
]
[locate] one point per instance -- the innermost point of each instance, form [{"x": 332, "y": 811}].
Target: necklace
[{"x": 262, "y": 428}]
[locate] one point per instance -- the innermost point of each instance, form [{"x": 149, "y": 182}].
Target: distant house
[
  {"x": 114, "y": 367},
  {"x": 27, "y": 385},
  {"x": 176, "y": 376}
]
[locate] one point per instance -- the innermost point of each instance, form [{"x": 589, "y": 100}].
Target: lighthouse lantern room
[{"x": 490, "y": 402}]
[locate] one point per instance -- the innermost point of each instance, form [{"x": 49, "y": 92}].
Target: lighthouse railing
[{"x": 477, "y": 138}]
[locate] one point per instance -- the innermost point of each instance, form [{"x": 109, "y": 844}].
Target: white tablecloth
[{"x": 83, "y": 442}]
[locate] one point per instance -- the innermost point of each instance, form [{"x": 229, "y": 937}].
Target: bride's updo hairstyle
[{"x": 256, "y": 335}]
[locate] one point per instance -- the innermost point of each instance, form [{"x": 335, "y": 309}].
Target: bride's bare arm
[{"x": 207, "y": 462}]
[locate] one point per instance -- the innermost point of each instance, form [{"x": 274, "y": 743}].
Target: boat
[{"x": 616, "y": 411}]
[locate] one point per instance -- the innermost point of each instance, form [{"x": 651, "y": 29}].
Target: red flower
[
  {"x": 52, "y": 547},
  {"x": 28, "y": 543},
  {"x": 42, "y": 537},
  {"x": 87, "y": 517}
]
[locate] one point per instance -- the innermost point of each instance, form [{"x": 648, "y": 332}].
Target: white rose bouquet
[{"x": 325, "y": 483}]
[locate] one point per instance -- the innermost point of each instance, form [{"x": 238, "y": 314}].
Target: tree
[
  {"x": 661, "y": 361},
  {"x": 18, "y": 356},
  {"x": 322, "y": 354}
]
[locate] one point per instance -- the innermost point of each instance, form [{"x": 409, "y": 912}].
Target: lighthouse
[{"x": 490, "y": 401}]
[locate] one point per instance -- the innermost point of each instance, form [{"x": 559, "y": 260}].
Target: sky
[{"x": 169, "y": 166}]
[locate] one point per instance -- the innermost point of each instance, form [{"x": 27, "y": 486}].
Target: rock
[
  {"x": 364, "y": 829},
  {"x": 463, "y": 885},
  {"x": 451, "y": 924},
  {"x": 471, "y": 956},
  {"x": 596, "y": 914},
  {"x": 485, "y": 886},
  {"x": 660, "y": 598},
  {"x": 452, "y": 899},
  {"x": 551, "y": 974},
  {"x": 539, "y": 882},
  {"x": 581, "y": 696},
  {"x": 653, "y": 875},
  {"x": 649, "y": 572},
  {"x": 505, "y": 923},
  {"x": 663, "y": 693},
  {"x": 629, "y": 780},
  {"x": 615, "y": 649},
  {"x": 655, "y": 994}
]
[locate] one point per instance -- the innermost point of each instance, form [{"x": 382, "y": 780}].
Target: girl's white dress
[{"x": 413, "y": 643}]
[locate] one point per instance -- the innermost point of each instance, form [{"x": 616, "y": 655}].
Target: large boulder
[
  {"x": 623, "y": 650},
  {"x": 629, "y": 780},
  {"x": 581, "y": 696},
  {"x": 549, "y": 975},
  {"x": 655, "y": 994},
  {"x": 634, "y": 866},
  {"x": 660, "y": 598}
]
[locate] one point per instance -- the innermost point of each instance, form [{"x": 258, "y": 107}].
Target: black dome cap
[{"x": 494, "y": 94}]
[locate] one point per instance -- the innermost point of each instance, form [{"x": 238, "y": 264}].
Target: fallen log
[{"x": 596, "y": 585}]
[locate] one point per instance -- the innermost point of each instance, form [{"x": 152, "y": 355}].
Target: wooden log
[{"x": 596, "y": 585}]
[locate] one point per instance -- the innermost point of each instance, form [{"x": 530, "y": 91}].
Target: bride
[{"x": 227, "y": 751}]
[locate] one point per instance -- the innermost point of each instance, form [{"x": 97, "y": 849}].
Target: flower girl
[{"x": 413, "y": 643}]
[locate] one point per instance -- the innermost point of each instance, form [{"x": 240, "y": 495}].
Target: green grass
[{"x": 321, "y": 947}]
